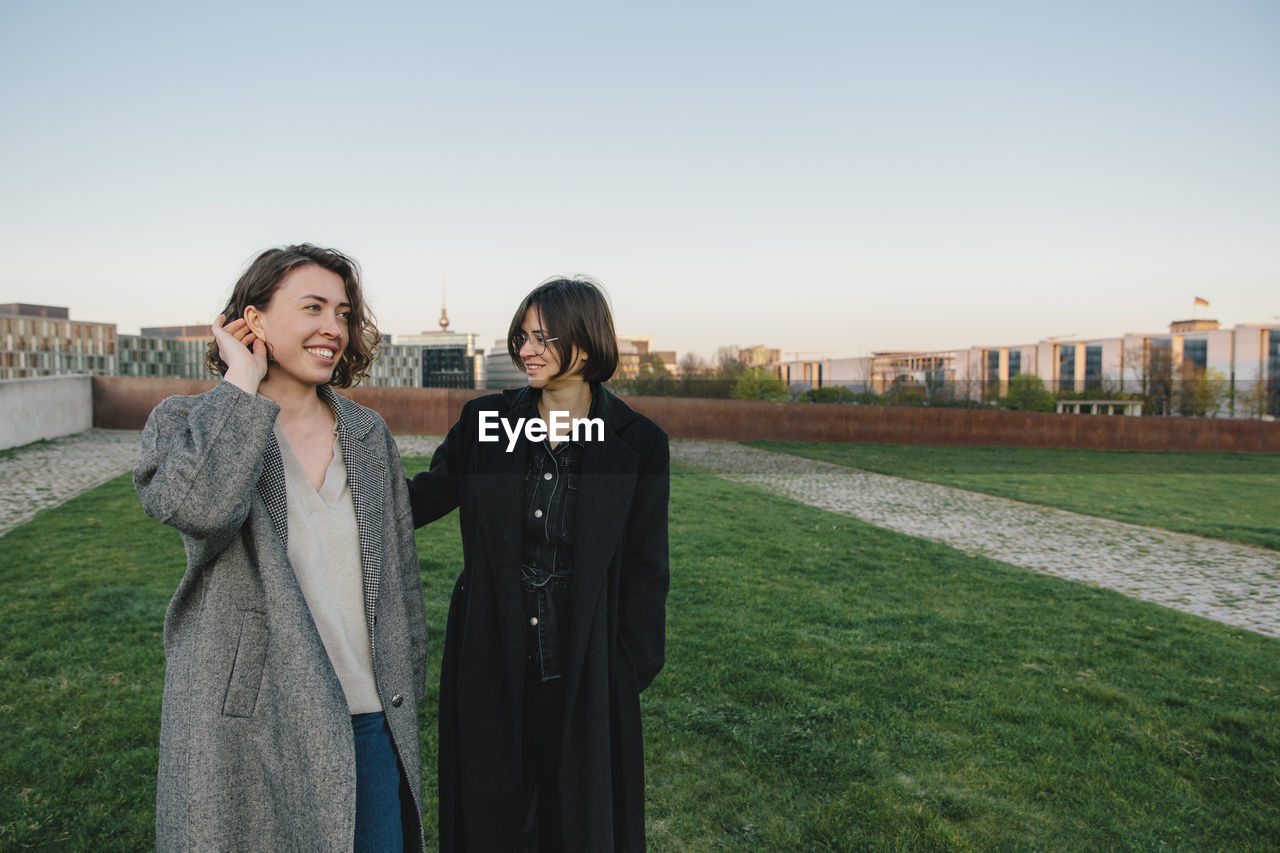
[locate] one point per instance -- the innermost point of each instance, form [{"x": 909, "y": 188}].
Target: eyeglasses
[{"x": 538, "y": 342}]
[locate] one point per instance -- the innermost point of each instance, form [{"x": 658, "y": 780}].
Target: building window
[
  {"x": 1196, "y": 352},
  {"x": 1067, "y": 368},
  {"x": 1093, "y": 366},
  {"x": 993, "y": 366},
  {"x": 446, "y": 367},
  {"x": 1015, "y": 362}
]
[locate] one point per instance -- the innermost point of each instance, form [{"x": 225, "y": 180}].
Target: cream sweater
[{"x": 324, "y": 549}]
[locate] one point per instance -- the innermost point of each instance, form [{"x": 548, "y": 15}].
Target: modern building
[
  {"x": 669, "y": 361},
  {"x": 906, "y": 370},
  {"x": 501, "y": 373},
  {"x": 156, "y": 356},
  {"x": 631, "y": 351},
  {"x": 1233, "y": 372},
  {"x": 1191, "y": 349},
  {"x": 179, "y": 351},
  {"x": 397, "y": 366},
  {"x": 166, "y": 351},
  {"x": 43, "y": 340},
  {"x": 199, "y": 332},
  {"x": 448, "y": 359}
]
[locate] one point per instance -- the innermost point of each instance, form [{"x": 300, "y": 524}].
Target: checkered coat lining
[{"x": 364, "y": 471}]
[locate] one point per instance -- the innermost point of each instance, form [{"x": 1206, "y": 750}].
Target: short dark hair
[
  {"x": 262, "y": 279},
  {"x": 576, "y": 312}
]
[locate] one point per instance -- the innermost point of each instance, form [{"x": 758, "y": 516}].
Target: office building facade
[
  {"x": 43, "y": 340},
  {"x": 153, "y": 356},
  {"x": 1233, "y": 372}
]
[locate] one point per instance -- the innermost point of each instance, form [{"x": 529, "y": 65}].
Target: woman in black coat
[{"x": 557, "y": 622}]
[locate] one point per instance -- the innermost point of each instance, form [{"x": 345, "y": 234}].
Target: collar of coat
[
  {"x": 523, "y": 402},
  {"x": 366, "y": 475}
]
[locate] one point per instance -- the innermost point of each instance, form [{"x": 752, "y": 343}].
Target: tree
[
  {"x": 692, "y": 364},
  {"x": 1199, "y": 392},
  {"x": 759, "y": 384},
  {"x": 1027, "y": 394},
  {"x": 653, "y": 378},
  {"x": 829, "y": 394},
  {"x": 904, "y": 391},
  {"x": 1251, "y": 398},
  {"x": 1150, "y": 364},
  {"x": 727, "y": 364},
  {"x": 700, "y": 379}
]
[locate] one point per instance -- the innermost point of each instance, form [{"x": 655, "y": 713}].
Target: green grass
[
  {"x": 14, "y": 452},
  {"x": 1221, "y": 495},
  {"x": 830, "y": 687}
]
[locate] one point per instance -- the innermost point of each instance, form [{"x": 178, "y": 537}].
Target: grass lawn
[
  {"x": 830, "y": 687},
  {"x": 1221, "y": 495}
]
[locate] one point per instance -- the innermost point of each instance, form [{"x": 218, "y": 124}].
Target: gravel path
[
  {"x": 41, "y": 475},
  {"x": 37, "y": 476},
  {"x": 418, "y": 445},
  {"x": 1234, "y": 584}
]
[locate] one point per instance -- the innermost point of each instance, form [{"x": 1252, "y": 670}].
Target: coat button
[
  {"x": 533, "y": 620},
  {"x": 537, "y": 513},
  {"x": 397, "y": 700},
  {"x": 546, "y": 476}
]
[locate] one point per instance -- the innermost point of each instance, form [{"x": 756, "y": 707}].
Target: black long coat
[{"x": 615, "y": 639}]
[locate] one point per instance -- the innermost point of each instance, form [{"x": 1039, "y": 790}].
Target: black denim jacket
[{"x": 550, "y": 495}]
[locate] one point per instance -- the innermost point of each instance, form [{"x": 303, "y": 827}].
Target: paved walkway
[
  {"x": 45, "y": 474},
  {"x": 1234, "y": 584}
]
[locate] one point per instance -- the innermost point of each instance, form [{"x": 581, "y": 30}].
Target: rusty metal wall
[{"x": 124, "y": 402}]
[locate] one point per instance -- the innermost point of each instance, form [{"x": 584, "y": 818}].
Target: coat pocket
[{"x": 246, "y": 671}]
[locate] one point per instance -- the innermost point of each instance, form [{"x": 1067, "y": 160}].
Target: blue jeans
[{"x": 378, "y": 810}]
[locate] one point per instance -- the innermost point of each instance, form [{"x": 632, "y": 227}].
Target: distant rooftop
[
  {"x": 22, "y": 309},
  {"x": 1179, "y": 326},
  {"x": 182, "y": 333}
]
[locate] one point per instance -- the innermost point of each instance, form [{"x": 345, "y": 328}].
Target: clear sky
[{"x": 825, "y": 177}]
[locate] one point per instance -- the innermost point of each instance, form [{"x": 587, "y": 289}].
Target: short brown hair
[
  {"x": 262, "y": 279},
  {"x": 576, "y": 312}
]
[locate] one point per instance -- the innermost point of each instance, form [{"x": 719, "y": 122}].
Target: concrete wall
[
  {"x": 44, "y": 407},
  {"x": 1250, "y": 354},
  {"x": 1221, "y": 346},
  {"x": 124, "y": 402}
]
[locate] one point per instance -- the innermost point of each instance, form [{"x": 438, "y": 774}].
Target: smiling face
[
  {"x": 304, "y": 324},
  {"x": 542, "y": 367}
]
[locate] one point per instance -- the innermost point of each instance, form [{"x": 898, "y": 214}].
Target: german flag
[{"x": 1202, "y": 301}]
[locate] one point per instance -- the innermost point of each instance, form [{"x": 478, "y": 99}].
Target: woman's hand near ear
[{"x": 243, "y": 352}]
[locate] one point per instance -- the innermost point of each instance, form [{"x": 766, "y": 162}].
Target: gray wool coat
[{"x": 256, "y": 747}]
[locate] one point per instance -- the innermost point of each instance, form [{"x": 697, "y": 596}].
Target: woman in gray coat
[{"x": 296, "y": 640}]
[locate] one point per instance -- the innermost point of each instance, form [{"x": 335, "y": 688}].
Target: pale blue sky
[{"x": 821, "y": 177}]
